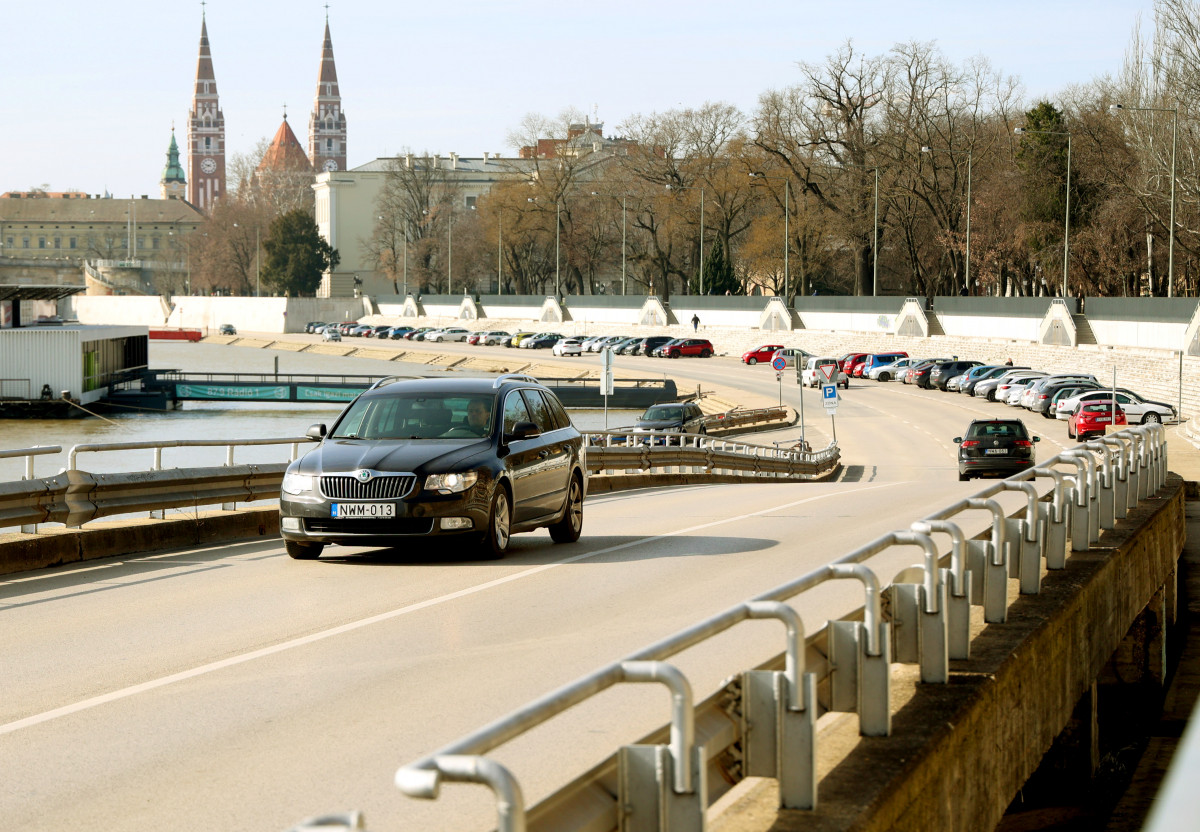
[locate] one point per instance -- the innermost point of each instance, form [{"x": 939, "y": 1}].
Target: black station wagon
[
  {"x": 464, "y": 460},
  {"x": 995, "y": 446}
]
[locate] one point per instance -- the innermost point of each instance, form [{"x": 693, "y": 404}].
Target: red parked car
[
  {"x": 762, "y": 355},
  {"x": 698, "y": 347},
  {"x": 852, "y": 360},
  {"x": 1091, "y": 418}
]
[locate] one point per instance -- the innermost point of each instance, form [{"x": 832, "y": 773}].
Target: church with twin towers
[{"x": 206, "y": 131}]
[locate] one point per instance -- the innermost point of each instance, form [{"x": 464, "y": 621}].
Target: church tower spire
[
  {"x": 206, "y": 133},
  {"x": 327, "y": 124},
  {"x": 173, "y": 184}
]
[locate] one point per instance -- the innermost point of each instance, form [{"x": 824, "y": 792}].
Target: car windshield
[
  {"x": 659, "y": 413},
  {"x": 417, "y": 416},
  {"x": 998, "y": 430}
]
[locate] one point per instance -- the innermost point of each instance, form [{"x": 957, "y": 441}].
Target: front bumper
[{"x": 308, "y": 518}]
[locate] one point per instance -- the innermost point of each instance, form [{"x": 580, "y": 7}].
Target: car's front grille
[
  {"x": 381, "y": 527},
  {"x": 379, "y": 487}
]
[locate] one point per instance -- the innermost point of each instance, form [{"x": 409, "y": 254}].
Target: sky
[{"x": 91, "y": 90}]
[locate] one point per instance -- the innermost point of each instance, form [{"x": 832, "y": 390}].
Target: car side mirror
[
  {"x": 523, "y": 430},
  {"x": 958, "y": 440},
  {"x": 316, "y": 433},
  {"x": 1037, "y": 439}
]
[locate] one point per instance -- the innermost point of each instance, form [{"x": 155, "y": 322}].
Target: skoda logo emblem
[{"x": 363, "y": 475}]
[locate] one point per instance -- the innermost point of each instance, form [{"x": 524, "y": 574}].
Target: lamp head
[
  {"x": 1020, "y": 131},
  {"x": 926, "y": 149},
  {"x": 1112, "y": 108}
]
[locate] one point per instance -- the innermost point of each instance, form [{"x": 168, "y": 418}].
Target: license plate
[
  {"x": 996, "y": 451},
  {"x": 340, "y": 510}
]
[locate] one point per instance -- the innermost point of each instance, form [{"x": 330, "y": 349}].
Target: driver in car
[{"x": 478, "y": 417}]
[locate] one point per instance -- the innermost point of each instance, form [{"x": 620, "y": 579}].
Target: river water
[{"x": 213, "y": 420}]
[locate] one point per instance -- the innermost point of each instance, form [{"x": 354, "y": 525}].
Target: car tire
[
  {"x": 1151, "y": 418},
  {"x": 884, "y": 377},
  {"x": 303, "y": 551},
  {"x": 963, "y": 477},
  {"x": 568, "y": 529},
  {"x": 752, "y": 361},
  {"x": 499, "y": 531},
  {"x": 674, "y": 354}
]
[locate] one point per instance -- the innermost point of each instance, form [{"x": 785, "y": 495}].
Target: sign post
[
  {"x": 779, "y": 363},
  {"x": 829, "y": 397},
  {"x": 606, "y": 379}
]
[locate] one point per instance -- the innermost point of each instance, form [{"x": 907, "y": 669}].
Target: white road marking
[{"x": 232, "y": 661}]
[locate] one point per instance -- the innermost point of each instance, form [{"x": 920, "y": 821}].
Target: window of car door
[{"x": 540, "y": 412}]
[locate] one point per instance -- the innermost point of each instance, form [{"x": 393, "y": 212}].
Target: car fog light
[
  {"x": 456, "y": 523},
  {"x": 290, "y": 524}
]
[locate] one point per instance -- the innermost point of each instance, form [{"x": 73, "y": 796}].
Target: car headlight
[
  {"x": 450, "y": 483},
  {"x": 294, "y": 483}
]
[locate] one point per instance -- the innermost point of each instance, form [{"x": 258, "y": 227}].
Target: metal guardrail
[
  {"x": 764, "y": 722},
  {"x": 621, "y": 451},
  {"x": 74, "y": 497}
]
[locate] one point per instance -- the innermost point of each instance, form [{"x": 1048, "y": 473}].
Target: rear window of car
[{"x": 1000, "y": 430}]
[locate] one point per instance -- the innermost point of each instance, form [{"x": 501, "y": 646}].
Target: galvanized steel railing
[
  {"x": 661, "y": 784},
  {"x": 647, "y": 452},
  {"x": 74, "y": 497}
]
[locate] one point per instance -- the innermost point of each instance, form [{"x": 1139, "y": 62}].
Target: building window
[
  {"x": 71, "y": 242},
  {"x": 58, "y": 242},
  {"x": 25, "y": 242},
  {"x": 471, "y": 201},
  {"x": 207, "y": 143},
  {"x": 329, "y": 145},
  {"x": 154, "y": 243},
  {"x": 41, "y": 242},
  {"x": 9, "y": 242}
]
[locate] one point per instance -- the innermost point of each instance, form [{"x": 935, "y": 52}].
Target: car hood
[
  {"x": 339, "y": 456},
  {"x": 658, "y": 424}
]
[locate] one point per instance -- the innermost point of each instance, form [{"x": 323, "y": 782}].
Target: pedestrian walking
[{"x": 695, "y": 323}]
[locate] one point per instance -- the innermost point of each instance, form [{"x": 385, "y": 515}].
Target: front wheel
[
  {"x": 1151, "y": 419},
  {"x": 499, "y": 531},
  {"x": 303, "y": 551},
  {"x": 568, "y": 529},
  {"x": 751, "y": 361}
]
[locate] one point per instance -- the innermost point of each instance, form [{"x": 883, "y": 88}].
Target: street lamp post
[
  {"x": 967, "y": 278},
  {"x": 499, "y": 249},
  {"x": 1020, "y": 131},
  {"x": 787, "y": 183},
  {"x": 1174, "y": 111}
]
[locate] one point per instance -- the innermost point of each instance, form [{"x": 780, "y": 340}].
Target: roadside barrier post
[
  {"x": 995, "y": 564},
  {"x": 859, "y": 657},
  {"x": 779, "y": 716}
]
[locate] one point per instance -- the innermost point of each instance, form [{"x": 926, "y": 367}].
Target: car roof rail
[
  {"x": 507, "y": 377},
  {"x": 389, "y": 380}
]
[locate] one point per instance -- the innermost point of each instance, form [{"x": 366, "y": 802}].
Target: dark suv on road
[
  {"x": 994, "y": 446},
  {"x": 464, "y": 460}
]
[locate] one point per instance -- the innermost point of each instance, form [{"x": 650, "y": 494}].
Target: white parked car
[
  {"x": 450, "y": 333},
  {"x": 812, "y": 376},
  {"x": 890, "y": 372},
  {"x": 568, "y": 346},
  {"x": 495, "y": 338},
  {"x": 790, "y": 356},
  {"x": 1137, "y": 410},
  {"x": 330, "y": 333}
]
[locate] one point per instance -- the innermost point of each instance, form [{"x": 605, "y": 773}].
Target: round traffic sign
[{"x": 779, "y": 362}]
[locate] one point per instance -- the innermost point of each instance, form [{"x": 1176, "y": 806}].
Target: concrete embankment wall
[{"x": 960, "y": 752}]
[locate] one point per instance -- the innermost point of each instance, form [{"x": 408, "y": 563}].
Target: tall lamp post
[
  {"x": 1021, "y": 131},
  {"x": 967, "y": 278},
  {"x": 499, "y": 249},
  {"x": 623, "y": 199},
  {"x": 1174, "y": 111},
  {"x": 701, "y": 190},
  {"x": 787, "y": 184}
]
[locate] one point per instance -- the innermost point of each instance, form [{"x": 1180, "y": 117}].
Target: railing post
[
  {"x": 1028, "y": 540},
  {"x": 1056, "y": 517},
  {"x": 957, "y": 587},
  {"x": 994, "y": 590},
  {"x": 859, "y": 655},
  {"x": 779, "y": 716}
]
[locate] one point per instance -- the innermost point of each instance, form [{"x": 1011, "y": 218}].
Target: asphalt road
[{"x": 233, "y": 688}]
